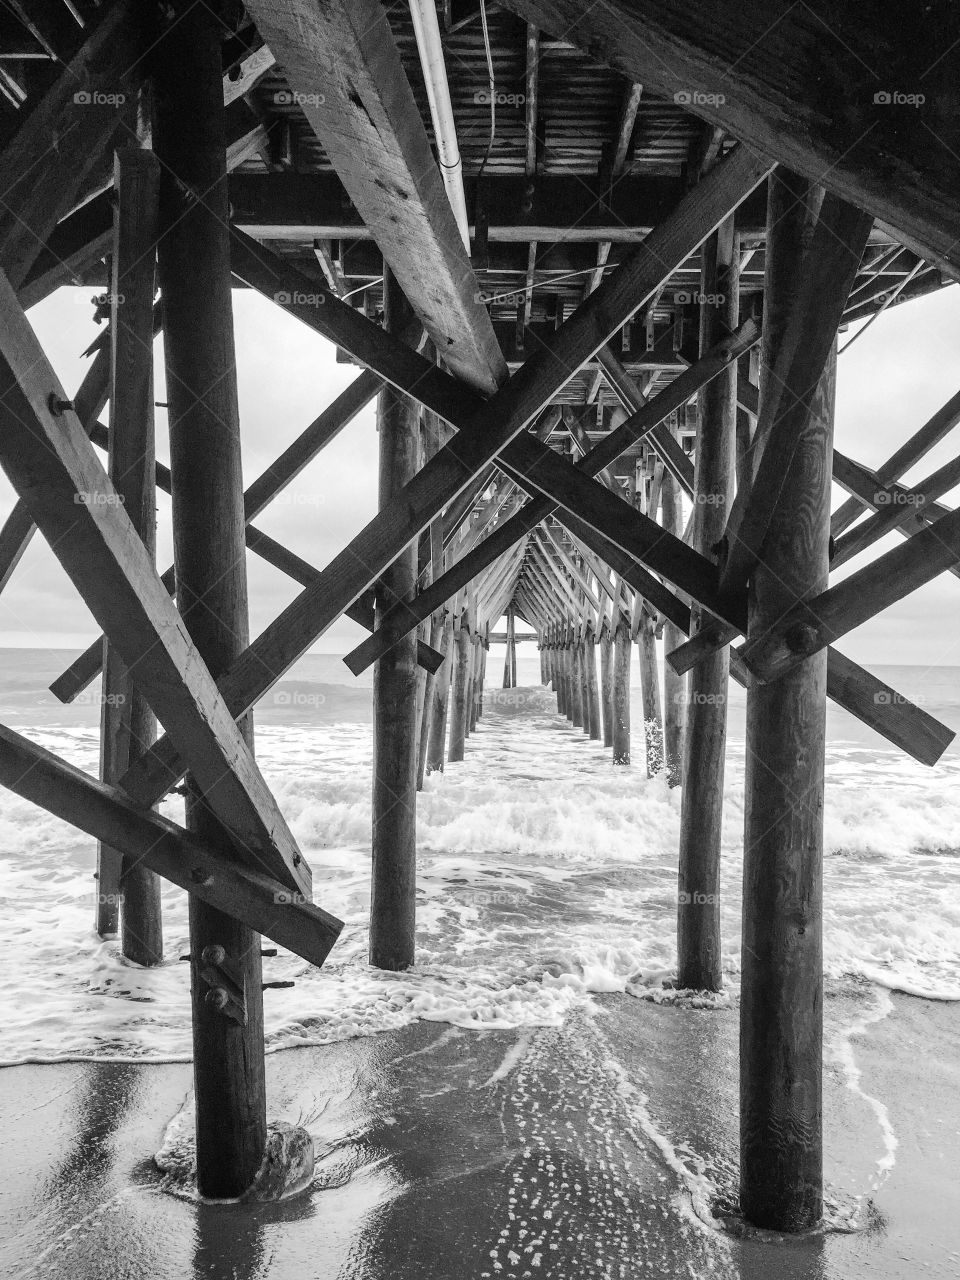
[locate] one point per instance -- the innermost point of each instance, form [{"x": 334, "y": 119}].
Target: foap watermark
[
  {"x": 697, "y": 899},
  {"x": 290, "y": 898},
  {"x": 684, "y": 297},
  {"x": 285, "y": 499},
  {"x": 299, "y": 299},
  {"x": 898, "y": 498},
  {"x": 298, "y": 698},
  {"x": 99, "y": 499},
  {"x": 697, "y": 98},
  {"x": 483, "y": 98},
  {"x": 515, "y": 299},
  {"x": 94, "y": 698},
  {"x": 897, "y": 98},
  {"x": 699, "y": 699},
  {"x": 96, "y": 899},
  {"x": 290, "y": 98},
  {"x": 80, "y": 299},
  {"x": 890, "y": 698},
  {"x": 98, "y": 98},
  {"x": 710, "y": 499},
  {"x": 492, "y": 897}
]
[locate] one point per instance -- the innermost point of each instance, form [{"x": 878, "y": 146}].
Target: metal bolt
[
  {"x": 57, "y": 406},
  {"x": 217, "y": 998},
  {"x": 214, "y": 954},
  {"x": 802, "y": 638}
]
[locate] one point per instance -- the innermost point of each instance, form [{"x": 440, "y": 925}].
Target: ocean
[{"x": 546, "y": 921}]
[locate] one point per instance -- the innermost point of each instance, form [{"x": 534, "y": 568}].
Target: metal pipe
[{"x": 427, "y": 31}]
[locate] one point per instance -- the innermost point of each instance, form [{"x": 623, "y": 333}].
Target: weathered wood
[
  {"x": 342, "y": 61},
  {"x": 830, "y": 266},
  {"x": 19, "y": 528},
  {"x": 204, "y": 871},
  {"x": 441, "y": 697},
  {"x": 674, "y": 691},
  {"x": 650, "y": 693},
  {"x": 127, "y": 724},
  {"x": 50, "y": 461},
  {"x": 807, "y": 627},
  {"x": 621, "y": 692},
  {"x": 910, "y": 453},
  {"x": 394, "y": 844},
  {"x": 801, "y": 87},
  {"x": 510, "y": 658},
  {"x": 781, "y": 1013},
  {"x": 208, "y": 525},
  {"x": 480, "y": 436},
  {"x": 606, "y": 682},
  {"x": 63, "y": 138},
  {"x": 581, "y": 697},
  {"x": 701, "y": 813},
  {"x": 593, "y": 692},
  {"x": 458, "y": 694}
]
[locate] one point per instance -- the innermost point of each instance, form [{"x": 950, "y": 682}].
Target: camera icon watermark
[
  {"x": 483, "y": 98},
  {"x": 895, "y": 98},
  {"x": 98, "y": 98},
  {"x": 299, "y": 299},
  {"x": 697, "y": 98},
  {"x": 99, "y": 499},
  {"x": 290, "y": 98}
]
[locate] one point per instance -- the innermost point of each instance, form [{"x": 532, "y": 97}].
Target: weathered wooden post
[
  {"x": 429, "y": 699},
  {"x": 563, "y": 703},
  {"x": 458, "y": 695},
  {"x": 542, "y": 648},
  {"x": 476, "y": 680},
  {"x": 576, "y": 677},
  {"x": 674, "y": 686},
  {"x": 781, "y": 1012},
  {"x": 568, "y": 683},
  {"x": 698, "y": 898},
  {"x": 394, "y": 847},
  {"x": 209, "y": 550},
  {"x": 606, "y": 681},
  {"x": 593, "y": 692},
  {"x": 436, "y": 748},
  {"x": 127, "y": 724},
  {"x": 584, "y": 678},
  {"x": 650, "y": 691},
  {"x": 621, "y": 692},
  {"x": 484, "y": 649},
  {"x": 510, "y": 659}
]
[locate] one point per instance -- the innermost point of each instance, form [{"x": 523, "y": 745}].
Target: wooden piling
[
  {"x": 510, "y": 660},
  {"x": 576, "y": 679},
  {"x": 436, "y": 748},
  {"x": 567, "y": 655},
  {"x": 650, "y": 692},
  {"x": 127, "y": 723},
  {"x": 458, "y": 694},
  {"x": 476, "y": 680},
  {"x": 593, "y": 691},
  {"x": 698, "y": 897},
  {"x": 394, "y": 847},
  {"x": 606, "y": 682},
  {"x": 429, "y": 699},
  {"x": 781, "y": 1012},
  {"x": 674, "y": 686},
  {"x": 209, "y": 550},
  {"x": 621, "y": 692}
]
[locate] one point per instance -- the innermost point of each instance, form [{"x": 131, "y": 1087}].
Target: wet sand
[{"x": 581, "y": 1151}]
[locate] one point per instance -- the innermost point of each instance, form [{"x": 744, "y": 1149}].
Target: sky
[{"x": 893, "y": 378}]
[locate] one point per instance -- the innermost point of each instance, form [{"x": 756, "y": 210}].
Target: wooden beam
[
  {"x": 483, "y": 433},
  {"x": 62, "y": 141},
  {"x": 749, "y": 72},
  {"x": 830, "y": 266},
  {"x": 108, "y": 814},
  {"x": 342, "y": 62},
  {"x": 810, "y": 626},
  {"x": 917, "y": 447},
  {"x": 52, "y": 464}
]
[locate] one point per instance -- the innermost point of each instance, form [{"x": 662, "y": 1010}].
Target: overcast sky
[{"x": 890, "y": 382}]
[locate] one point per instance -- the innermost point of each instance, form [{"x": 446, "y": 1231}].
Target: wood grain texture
[
  {"x": 342, "y": 61},
  {"x": 799, "y": 83}
]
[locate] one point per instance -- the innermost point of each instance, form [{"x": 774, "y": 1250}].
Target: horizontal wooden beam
[
  {"x": 53, "y": 466},
  {"x": 107, "y": 813},
  {"x": 300, "y": 207},
  {"x": 807, "y": 86}
]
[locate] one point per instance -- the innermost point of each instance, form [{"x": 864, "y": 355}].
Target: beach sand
[{"x": 587, "y": 1150}]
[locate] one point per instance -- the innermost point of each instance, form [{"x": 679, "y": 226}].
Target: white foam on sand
[{"x": 545, "y": 875}]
